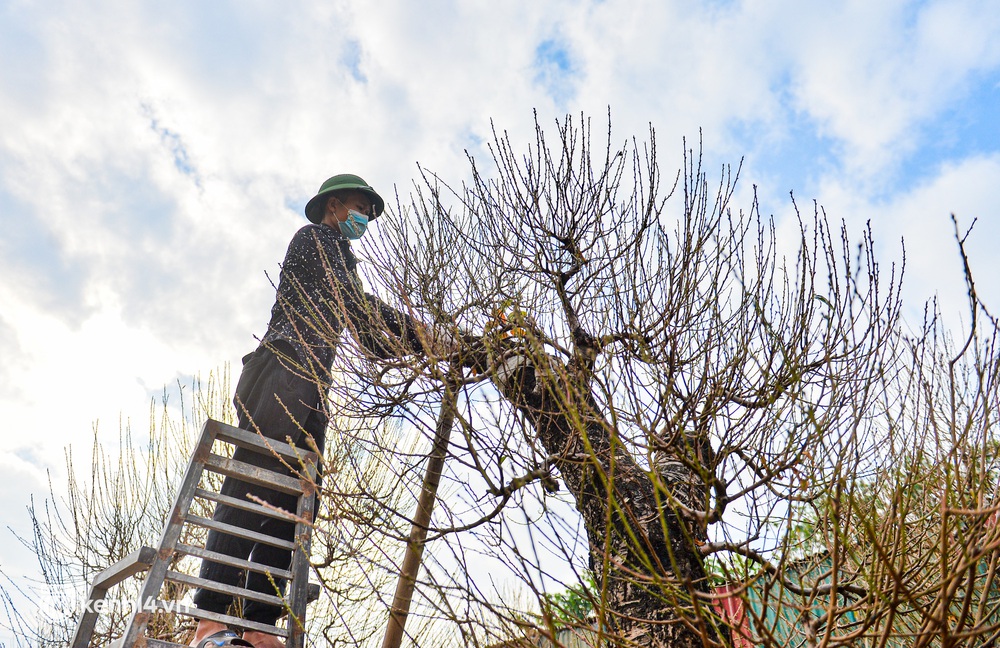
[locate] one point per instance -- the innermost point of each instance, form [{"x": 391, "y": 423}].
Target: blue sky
[{"x": 155, "y": 158}]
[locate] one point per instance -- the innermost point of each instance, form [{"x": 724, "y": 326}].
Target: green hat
[{"x": 341, "y": 182}]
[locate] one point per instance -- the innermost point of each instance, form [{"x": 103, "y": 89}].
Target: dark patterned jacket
[{"x": 320, "y": 292}]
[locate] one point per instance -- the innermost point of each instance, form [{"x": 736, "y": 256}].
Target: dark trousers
[{"x": 277, "y": 402}]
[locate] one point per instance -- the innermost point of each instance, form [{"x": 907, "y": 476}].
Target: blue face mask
[{"x": 355, "y": 225}]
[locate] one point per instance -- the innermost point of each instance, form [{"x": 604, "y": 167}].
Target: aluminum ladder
[{"x": 156, "y": 561}]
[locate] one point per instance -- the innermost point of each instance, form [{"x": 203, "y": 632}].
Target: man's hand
[
  {"x": 460, "y": 346},
  {"x": 472, "y": 352},
  {"x": 441, "y": 344}
]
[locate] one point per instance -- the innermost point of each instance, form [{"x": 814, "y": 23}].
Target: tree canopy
[{"x": 657, "y": 391}]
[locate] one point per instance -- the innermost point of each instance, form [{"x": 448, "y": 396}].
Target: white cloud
[
  {"x": 17, "y": 562},
  {"x": 870, "y": 74},
  {"x": 921, "y": 219}
]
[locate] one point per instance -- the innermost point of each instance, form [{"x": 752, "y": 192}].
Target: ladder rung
[
  {"x": 240, "y": 532},
  {"x": 137, "y": 561},
  {"x": 263, "y": 445},
  {"x": 232, "y": 562},
  {"x": 253, "y": 474},
  {"x": 232, "y": 590},
  {"x": 226, "y": 619},
  {"x": 245, "y": 505},
  {"x": 160, "y": 643}
]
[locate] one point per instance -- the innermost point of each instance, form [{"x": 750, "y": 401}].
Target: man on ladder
[{"x": 282, "y": 389}]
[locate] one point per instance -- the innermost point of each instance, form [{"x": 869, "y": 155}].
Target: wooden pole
[{"x": 421, "y": 521}]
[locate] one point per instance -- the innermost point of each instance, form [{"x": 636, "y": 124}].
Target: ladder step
[
  {"x": 232, "y": 562},
  {"x": 245, "y": 505},
  {"x": 160, "y": 643},
  {"x": 253, "y": 475},
  {"x": 263, "y": 445},
  {"x": 232, "y": 590},
  {"x": 236, "y": 622},
  {"x": 137, "y": 561},
  {"x": 240, "y": 532},
  {"x": 150, "y": 643}
]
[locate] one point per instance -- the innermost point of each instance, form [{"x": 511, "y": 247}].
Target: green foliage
[
  {"x": 575, "y": 604},
  {"x": 728, "y": 568}
]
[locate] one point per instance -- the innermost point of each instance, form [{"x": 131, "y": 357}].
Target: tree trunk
[{"x": 643, "y": 552}]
